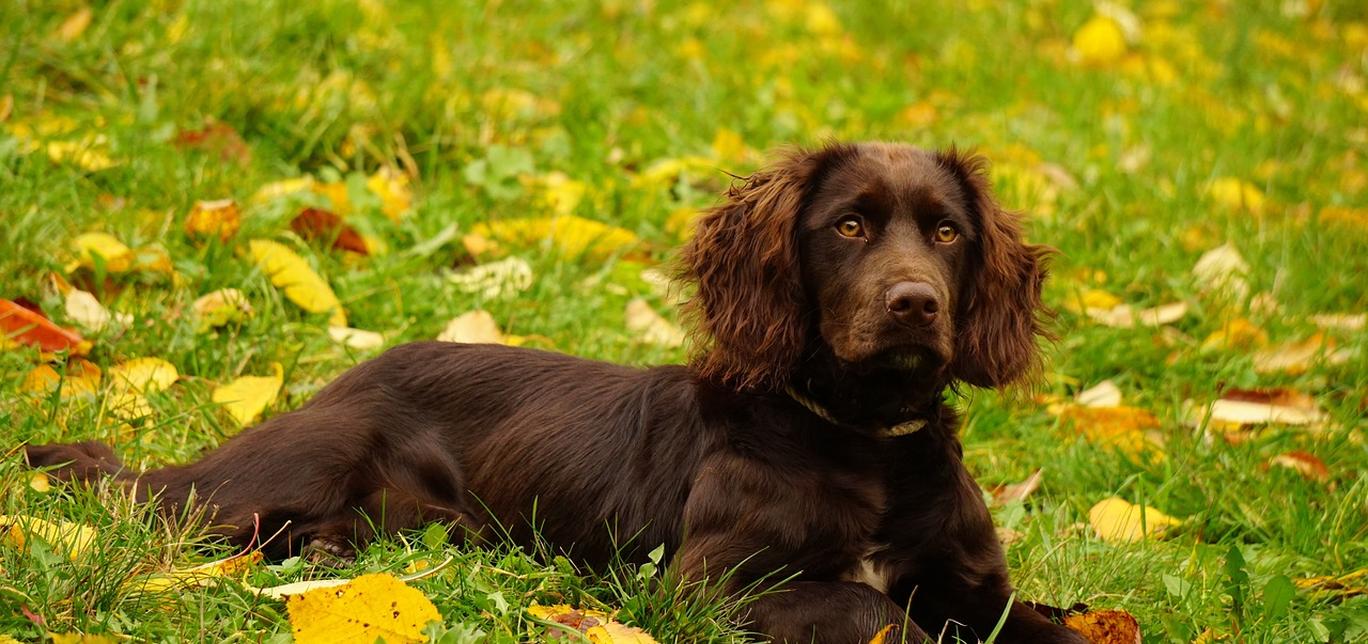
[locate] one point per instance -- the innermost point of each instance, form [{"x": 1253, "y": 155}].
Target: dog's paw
[{"x": 329, "y": 551}]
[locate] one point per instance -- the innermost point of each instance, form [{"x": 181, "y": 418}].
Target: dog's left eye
[
  {"x": 946, "y": 233},
  {"x": 850, "y": 227}
]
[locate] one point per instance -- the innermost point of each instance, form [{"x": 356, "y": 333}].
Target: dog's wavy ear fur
[
  {"x": 1000, "y": 319},
  {"x": 747, "y": 311}
]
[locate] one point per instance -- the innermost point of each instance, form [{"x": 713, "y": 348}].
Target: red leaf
[
  {"x": 317, "y": 224},
  {"x": 218, "y": 138},
  {"x": 21, "y": 324}
]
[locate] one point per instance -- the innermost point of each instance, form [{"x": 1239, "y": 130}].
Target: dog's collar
[{"x": 900, "y": 429}]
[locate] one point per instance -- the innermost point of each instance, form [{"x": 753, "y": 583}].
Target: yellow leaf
[
  {"x": 246, "y": 397},
  {"x": 1351, "y": 584},
  {"x": 615, "y": 633},
  {"x": 1116, "y": 520},
  {"x": 80, "y": 638},
  {"x": 1130, "y": 430},
  {"x": 474, "y": 327},
  {"x": 1238, "y": 333},
  {"x": 201, "y": 575},
  {"x": 82, "y": 377},
  {"x": 143, "y": 375},
  {"x": 727, "y": 145},
  {"x": 881, "y": 637},
  {"x": 561, "y": 194},
  {"x": 650, "y": 326},
  {"x": 278, "y": 189},
  {"x": 596, "y": 625},
  {"x": 87, "y": 153},
  {"x": 570, "y": 235},
  {"x": 217, "y": 308},
  {"x": 681, "y": 223},
  {"x": 40, "y": 379},
  {"x": 1099, "y": 41},
  {"x": 368, "y": 607},
  {"x": 297, "y": 279},
  {"x": 39, "y": 482},
  {"x": 1236, "y": 194},
  {"x": 392, "y": 187},
  {"x": 219, "y": 218},
  {"x": 107, "y": 248},
  {"x": 74, "y": 25},
  {"x": 72, "y": 539},
  {"x": 128, "y": 405}
]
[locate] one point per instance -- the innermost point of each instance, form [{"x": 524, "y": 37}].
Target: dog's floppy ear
[
  {"x": 999, "y": 318},
  {"x": 743, "y": 258}
]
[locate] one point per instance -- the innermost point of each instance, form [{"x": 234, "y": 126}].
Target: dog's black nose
[{"x": 912, "y": 303}]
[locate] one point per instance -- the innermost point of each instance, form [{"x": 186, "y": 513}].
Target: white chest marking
[{"x": 870, "y": 572}]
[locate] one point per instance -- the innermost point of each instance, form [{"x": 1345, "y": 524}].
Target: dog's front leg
[{"x": 835, "y": 611}]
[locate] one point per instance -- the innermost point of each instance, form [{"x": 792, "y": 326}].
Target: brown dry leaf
[
  {"x": 1222, "y": 273},
  {"x": 1276, "y": 406},
  {"x": 1106, "y": 627},
  {"x": 22, "y": 325},
  {"x": 359, "y": 339},
  {"x": 597, "y": 626},
  {"x": 1297, "y": 357},
  {"x": 220, "y": 218},
  {"x": 85, "y": 310},
  {"x": 316, "y": 224},
  {"x": 246, "y": 397},
  {"x": 1351, "y": 584},
  {"x": 1116, "y": 520},
  {"x": 1130, "y": 430},
  {"x": 650, "y": 326},
  {"x": 1340, "y": 321},
  {"x": 1017, "y": 492},
  {"x": 297, "y": 279},
  {"x": 361, "y": 610},
  {"x": 218, "y": 138},
  {"x": 1123, "y": 316},
  {"x": 1304, "y": 463}
]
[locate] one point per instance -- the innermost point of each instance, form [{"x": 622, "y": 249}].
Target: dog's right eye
[{"x": 850, "y": 227}]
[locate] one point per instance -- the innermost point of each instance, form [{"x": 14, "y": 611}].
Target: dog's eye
[
  {"x": 946, "y": 233},
  {"x": 850, "y": 227}
]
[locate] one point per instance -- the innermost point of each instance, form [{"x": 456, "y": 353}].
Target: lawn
[{"x": 572, "y": 143}]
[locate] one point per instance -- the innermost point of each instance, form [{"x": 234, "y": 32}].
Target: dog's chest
[{"x": 869, "y": 567}]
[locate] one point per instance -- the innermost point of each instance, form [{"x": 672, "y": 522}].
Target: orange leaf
[
  {"x": 27, "y": 327},
  {"x": 1304, "y": 463},
  {"x": 1106, "y": 627},
  {"x": 219, "y": 218}
]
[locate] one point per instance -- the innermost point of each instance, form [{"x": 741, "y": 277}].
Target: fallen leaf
[
  {"x": 1303, "y": 463},
  {"x": 1106, "y": 627},
  {"x": 80, "y": 638},
  {"x": 1236, "y": 194},
  {"x": 569, "y": 235},
  {"x": 1017, "y": 492},
  {"x": 71, "y": 539},
  {"x": 496, "y": 279},
  {"x": 1222, "y": 272},
  {"x": 1099, "y": 41},
  {"x": 316, "y": 224},
  {"x": 359, "y": 339},
  {"x": 40, "y": 482},
  {"x": 1297, "y": 357},
  {"x": 560, "y": 194},
  {"x": 82, "y": 377},
  {"x": 362, "y": 610},
  {"x": 297, "y": 279},
  {"x": 86, "y": 311},
  {"x": 143, "y": 375},
  {"x": 1102, "y": 394},
  {"x": 392, "y": 187},
  {"x": 196, "y": 576},
  {"x": 24, "y": 326},
  {"x": 1340, "y": 321},
  {"x": 247, "y": 396},
  {"x": 1353, "y": 584},
  {"x": 103, "y": 248},
  {"x": 650, "y": 326},
  {"x": 74, "y": 25},
  {"x": 596, "y": 625},
  {"x": 220, "y": 218},
  {"x": 218, "y": 138},
  {"x": 1123, "y": 316},
  {"x": 1279, "y": 406},
  {"x": 1130, "y": 430},
  {"x": 218, "y": 308},
  {"x": 1115, "y": 520},
  {"x": 283, "y": 188},
  {"x": 1237, "y": 333},
  {"x": 474, "y": 327}
]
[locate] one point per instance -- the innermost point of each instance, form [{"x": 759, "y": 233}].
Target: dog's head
[{"x": 886, "y": 256}]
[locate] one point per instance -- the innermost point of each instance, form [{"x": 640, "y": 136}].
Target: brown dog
[{"x": 839, "y": 294}]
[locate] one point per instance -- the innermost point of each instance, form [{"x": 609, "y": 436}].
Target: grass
[{"x": 1115, "y": 162}]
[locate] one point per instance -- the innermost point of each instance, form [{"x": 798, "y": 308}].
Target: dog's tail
[{"x": 86, "y": 462}]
